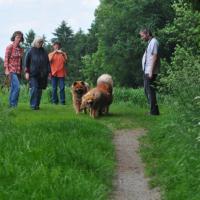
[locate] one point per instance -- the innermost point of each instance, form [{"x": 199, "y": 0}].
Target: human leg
[
  {"x": 33, "y": 93},
  {"x": 154, "y": 110},
  {"x": 54, "y": 82},
  {"x": 62, "y": 90},
  {"x": 150, "y": 90},
  {"x": 14, "y": 90}
]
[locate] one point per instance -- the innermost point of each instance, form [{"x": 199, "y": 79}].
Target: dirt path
[{"x": 130, "y": 183}]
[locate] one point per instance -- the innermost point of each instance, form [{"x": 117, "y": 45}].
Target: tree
[
  {"x": 119, "y": 48},
  {"x": 79, "y": 50},
  {"x": 29, "y": 37},
  {"x": 1, "y": 65},
  {"x": 92, "y": 39},
  {"x": 181, "y": 75},
  {"x": 64, "y": 35}
]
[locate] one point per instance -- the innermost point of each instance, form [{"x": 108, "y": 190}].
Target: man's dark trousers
[{"x": 150, "y": 92}]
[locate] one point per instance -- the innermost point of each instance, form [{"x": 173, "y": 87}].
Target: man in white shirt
[{"x": 150, "y": 67}]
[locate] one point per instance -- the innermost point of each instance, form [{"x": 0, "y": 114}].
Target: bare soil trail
[{"x": 130, "y": 182}]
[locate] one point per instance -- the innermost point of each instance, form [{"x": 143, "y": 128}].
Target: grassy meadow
[{"x": 55, "y": 154}]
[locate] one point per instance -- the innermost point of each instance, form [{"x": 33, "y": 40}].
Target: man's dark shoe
[
  {"x": 148, "y": 113},
  {"x": 154, "y": 113}
]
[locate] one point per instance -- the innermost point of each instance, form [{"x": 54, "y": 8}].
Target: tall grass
[
  {"x": 129, "y": 95},
  {"x": 55, "y": 154},
  {"x": 25, "y": 95},
  {"x": 171, "y": 151},
  {"x": 54, "y": 159},
  {"x": 52, "y": 153}
]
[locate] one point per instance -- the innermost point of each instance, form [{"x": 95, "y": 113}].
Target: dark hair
[
  {"x": 146, "y": 31},
  {"x": 17, "y": 33},
  {"x": 57, "y": 42}
]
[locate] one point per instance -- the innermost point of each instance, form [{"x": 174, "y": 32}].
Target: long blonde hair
[{"x": 36, "y": 40}]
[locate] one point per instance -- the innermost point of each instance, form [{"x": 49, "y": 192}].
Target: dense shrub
[{"x": 181, "y": 77}]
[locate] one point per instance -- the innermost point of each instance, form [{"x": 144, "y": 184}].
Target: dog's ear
[
  {"x": 75, "y": 83},
  {"x": 82, "y": 82}
]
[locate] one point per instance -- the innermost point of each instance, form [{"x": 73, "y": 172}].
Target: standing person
[
  {"x": 13, "y": 66},
  {"x": 150, "y": 66},
  {"x": 57, "y": 59},
  {"x": 37, "y": 70}
]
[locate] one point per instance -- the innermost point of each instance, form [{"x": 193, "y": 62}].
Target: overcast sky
[{"x": 43, "y": 16}]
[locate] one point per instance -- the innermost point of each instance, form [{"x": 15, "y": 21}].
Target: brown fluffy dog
[
  {"x": 107, "y": 90},
  {"x": 79, "y": 88},
  {"x": 95, "y": 100},
  {"x": 98, "y": 99},
  {"x": 105, "y": 84}
]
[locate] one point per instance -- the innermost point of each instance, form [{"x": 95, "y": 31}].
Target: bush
[{"x": 181, "y": 75}]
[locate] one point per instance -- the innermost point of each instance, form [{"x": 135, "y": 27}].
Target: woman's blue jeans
[{"x": 14, "y": 89}]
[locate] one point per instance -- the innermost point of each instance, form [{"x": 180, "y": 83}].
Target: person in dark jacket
[{"x": 37, "y": 69}]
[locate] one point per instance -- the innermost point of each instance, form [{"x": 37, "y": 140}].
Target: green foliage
[
  {"x": 1, "y": 66},
  {"x": 183, "y": 31},
  {"x": 181, "y": 77},
  {"x": 64, "y": 35},
  {"x": 29, "y": 37},
  {"x": 119, "y": 47},
  {"x": 132, "y": 96},
  {"x": 93, "y": 67},
  {"x": 79, "y": 50},
  {"x": 92, "y": 40}
]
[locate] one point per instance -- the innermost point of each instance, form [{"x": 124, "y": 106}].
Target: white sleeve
[{"x": 154, "y": 47}]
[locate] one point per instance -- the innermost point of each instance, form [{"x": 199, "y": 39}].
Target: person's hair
[
  {"x": 146, "y": 31},
  {"x": 57, "y": 43},
  {"x": 17, "y": 33},
  {"x": 36, "y": 40}
]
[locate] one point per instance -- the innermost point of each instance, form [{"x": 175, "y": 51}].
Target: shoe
[
  {"x": 12, "y": 106},
  {"x": 35, "y": 108},
  {"x": 154, "y": 114}
]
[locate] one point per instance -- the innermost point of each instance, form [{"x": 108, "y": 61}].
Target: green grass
[
  {"x": 55, "y": 154},
  {"x": 171, "y": 153}
]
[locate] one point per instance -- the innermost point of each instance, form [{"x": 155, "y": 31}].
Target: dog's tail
[{"x": 105, "y": 78}]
